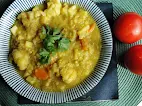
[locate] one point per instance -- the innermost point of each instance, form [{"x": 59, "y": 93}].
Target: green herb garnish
[
  {"x": 44, "y": 56},
  {"x": 53, "y": 41},
  {"x": 63, "y": 44}
]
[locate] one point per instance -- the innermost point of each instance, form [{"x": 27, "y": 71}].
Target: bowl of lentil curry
[{"x": 56, "y": 48}]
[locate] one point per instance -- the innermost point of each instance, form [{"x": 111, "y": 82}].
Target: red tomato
[
  {"x": 128, "y": 27},
  {"x": 133, "y": 59}
]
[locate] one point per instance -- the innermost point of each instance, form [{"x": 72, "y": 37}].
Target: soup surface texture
[{"x": 55, "y": 46}]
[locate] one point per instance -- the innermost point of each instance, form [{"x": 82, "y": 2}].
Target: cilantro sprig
[
  {"x": 44, "y": 56},
  {"x": 53, "y": 41},
  {"x": 63, "y": 44}
]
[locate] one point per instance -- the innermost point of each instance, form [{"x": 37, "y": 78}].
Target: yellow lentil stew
[{"x": 55, "y": 46}]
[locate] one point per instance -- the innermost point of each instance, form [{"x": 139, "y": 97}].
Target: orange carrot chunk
[
  {"x": 84, "y": 44},
  {"x": 41, "y": 74},
  {"x": 92, "y": 27}
]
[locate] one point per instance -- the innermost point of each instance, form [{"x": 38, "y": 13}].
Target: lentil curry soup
[{"x": 55, "y": 46}]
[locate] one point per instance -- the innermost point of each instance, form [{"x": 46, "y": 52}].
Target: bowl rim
[{"x": 26, "y": 90}]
